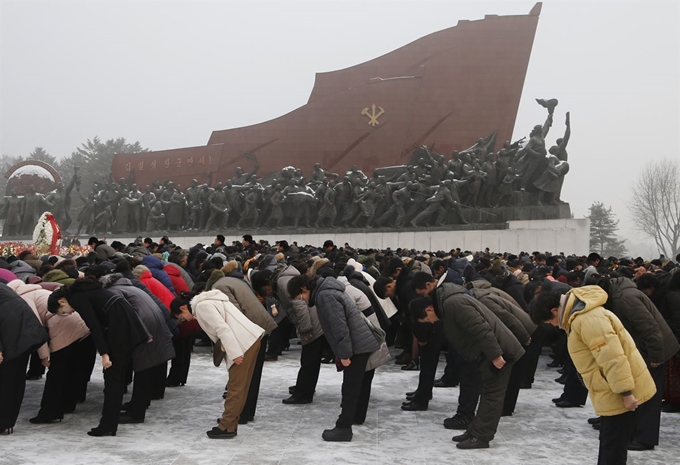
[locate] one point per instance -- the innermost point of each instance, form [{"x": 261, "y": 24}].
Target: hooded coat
[
  {"x": 160, "y": 349},
  {"x": 20, "y": 329},
  {"x": 473, "y": 329},
  {"x": 155, "y": 265},
  {"x": 345, "y": 329},
  {"x": 652, "y": 335},
  {"x": 304, "y": 317},
  {"x": 220, "y": 319},
  {"x": 603, "y": 352}
]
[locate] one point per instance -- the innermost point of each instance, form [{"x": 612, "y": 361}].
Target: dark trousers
[
  {"x": 310, "y": 365},
  {"x": 560, "y": 346},
  {"x": 254, "y": 388},
  {"x": 158, "y": 379},
  {"x": 531, "y": 356},
  {"x": 35, "y": 366},
  {"x": 468, "y": 397},
  {"x": 86, "y": 356},
  {"x": 574, "y": 390},
  {"x": 512, "y": 391},
  {"x": 392, "y": 330},
  {"x": 356, "y": 391},
  {"x": 61, "y": 384},
  {"x": 405, "y": 332},
  {"x": 454, "y": 363},
  {"x": 648, "y": 415},
  {"x": 12, "y": 387},
  {"x": 114, "y": 386},
  {"x": 279, "y": 338},
  {"x": 141, "y": 393},
  {"x": 429, "y": 358},
  {"x": 615, "y": 434},
  {"x": 494, "y": 383},
  {"x": 179, "y": 369}
]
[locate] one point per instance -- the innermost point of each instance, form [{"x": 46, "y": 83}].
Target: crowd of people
[{"x": 613, "y": 325}]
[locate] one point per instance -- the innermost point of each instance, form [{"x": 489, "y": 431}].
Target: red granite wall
[{"x": 448, "y": 88}]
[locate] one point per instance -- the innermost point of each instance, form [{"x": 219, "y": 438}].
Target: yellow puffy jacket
[{"x": 603, "y": 352}]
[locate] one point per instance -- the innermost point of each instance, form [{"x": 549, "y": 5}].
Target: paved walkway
[{"x": 174, "y": 432}]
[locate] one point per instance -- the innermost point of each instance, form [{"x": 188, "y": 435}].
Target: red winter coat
[
  {"x": 178, "y": 281},
  {"x": 157, "y": 288}
]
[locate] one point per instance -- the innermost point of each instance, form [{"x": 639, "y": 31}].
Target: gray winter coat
[
  {"x": 21, "y": 269},
  {"x": 473, "y": 329},
  {"x": 243, "y": 297},
  {"x": 305, "y": 318},
  {"x": 345, "y": 329},
  {"x": 158, "y": 351},
  {"x": 653, "y": 337},
  {"x": 514, "y": 324}
]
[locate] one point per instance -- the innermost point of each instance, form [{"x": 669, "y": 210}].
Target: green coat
[{"x": 473, "y": 329}]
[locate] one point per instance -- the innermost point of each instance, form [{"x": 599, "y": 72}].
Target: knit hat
[{"x": 367, "y": 261}]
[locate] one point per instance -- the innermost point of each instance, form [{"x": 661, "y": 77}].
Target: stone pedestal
[{"x": 563, "y": 235}]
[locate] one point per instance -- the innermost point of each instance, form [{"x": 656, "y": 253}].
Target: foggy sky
[{"x": 168, "y": 73}]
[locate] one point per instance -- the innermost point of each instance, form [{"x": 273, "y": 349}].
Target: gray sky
[{"x": 168, "y": 73}]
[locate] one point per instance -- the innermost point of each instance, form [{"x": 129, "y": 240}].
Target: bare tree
[{"x": 655, "y": 205}]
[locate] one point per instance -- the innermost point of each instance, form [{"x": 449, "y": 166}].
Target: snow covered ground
[{"x": 174, "y": 431}]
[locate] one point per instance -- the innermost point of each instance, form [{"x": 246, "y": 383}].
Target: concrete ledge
[{"x": 566, "y": 235}]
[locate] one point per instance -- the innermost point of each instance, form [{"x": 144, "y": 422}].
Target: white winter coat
[{"x": 220, "y": 319}]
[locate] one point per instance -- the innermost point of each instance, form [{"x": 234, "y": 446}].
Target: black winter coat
[
  {"x": 358, "y": 280},
  {"x": 160, "y": 349},
  {"x": 20, "y": 329},
  {"x": 652, "y": 335},
  {"x": 672, "y": 311},
  {"x": 114, "y": 325},
  {"x": 514, "y": 287}
]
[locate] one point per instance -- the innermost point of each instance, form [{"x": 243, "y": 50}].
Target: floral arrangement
[
  {"x": 8, "y": 249},
  {"x": 47, "y": 235},
  {"x": 75, "y": 250}
]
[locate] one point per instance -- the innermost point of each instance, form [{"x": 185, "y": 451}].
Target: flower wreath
[{"x": 47, "y": 235}]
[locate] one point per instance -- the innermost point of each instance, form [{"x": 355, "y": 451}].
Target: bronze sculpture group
[{"x": 429, "y": 191}]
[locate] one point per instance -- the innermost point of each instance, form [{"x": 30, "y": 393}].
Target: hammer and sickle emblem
[{"x": 373, "y": 115}]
